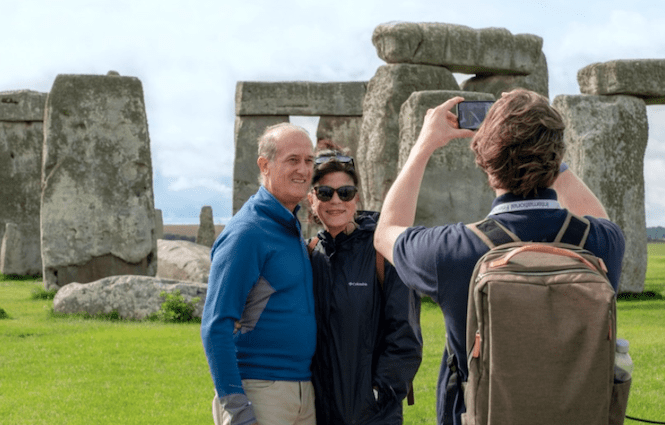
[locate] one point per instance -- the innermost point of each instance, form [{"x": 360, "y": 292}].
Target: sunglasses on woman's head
[
  {"x": 345, "y": 193},
  {"x": 336, "y": 157}
]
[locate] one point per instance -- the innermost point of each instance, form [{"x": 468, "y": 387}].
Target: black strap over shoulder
[
  {"x": 574, "y": 231},
  {"x": 577, "y": 231},
  {"x": 494, "y": 232}
]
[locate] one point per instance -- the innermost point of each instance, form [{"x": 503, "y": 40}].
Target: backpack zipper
[{"x": 544, "y": 273}]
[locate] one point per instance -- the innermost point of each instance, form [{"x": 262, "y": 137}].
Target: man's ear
[{"x": 262, "y": 162}]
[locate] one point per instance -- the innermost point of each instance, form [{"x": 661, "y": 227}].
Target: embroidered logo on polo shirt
[{"x": 358, "y": 284}]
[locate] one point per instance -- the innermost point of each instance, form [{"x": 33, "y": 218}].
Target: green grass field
[{"x": 72, "y": 370}]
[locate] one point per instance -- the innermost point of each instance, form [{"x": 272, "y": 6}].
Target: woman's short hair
[
  {"x": 328, "y": 149},
  {"x": 520, "y": 144},
  {"x": 332, "y": 165}
]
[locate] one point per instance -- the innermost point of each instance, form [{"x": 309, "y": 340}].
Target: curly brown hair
[{"x": 520, "y": 144}]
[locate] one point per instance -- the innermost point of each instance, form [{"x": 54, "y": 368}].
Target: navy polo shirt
[{"x": 439, "y": 261}]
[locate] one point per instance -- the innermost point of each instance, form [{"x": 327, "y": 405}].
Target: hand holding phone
[{"x": 470, "y": 114}]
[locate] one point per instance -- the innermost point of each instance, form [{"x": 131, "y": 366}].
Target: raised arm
[
  {"x": 574, "y": 195},
  {"x": 399, "y": 207}
]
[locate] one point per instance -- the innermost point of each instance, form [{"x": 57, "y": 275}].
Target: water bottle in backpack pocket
[{"x": 623, "y": 372}]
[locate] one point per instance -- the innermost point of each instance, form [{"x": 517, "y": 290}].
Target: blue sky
[{"x": 190, "y": 54}]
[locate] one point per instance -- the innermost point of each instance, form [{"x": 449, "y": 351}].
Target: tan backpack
[{"x": 541, "y": 331}]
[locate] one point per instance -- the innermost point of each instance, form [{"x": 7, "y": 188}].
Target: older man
[{"x": 258, "y": 327}]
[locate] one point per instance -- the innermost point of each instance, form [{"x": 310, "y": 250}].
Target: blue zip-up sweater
[{"x": 260, "y": 281}]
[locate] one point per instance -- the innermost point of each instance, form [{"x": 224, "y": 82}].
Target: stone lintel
[
  {"x": 300, "y": 98},
  {"x": 643, "y": 78},
  {"x": 22, "y": 105},
  {"x": 459, "y": 48}
]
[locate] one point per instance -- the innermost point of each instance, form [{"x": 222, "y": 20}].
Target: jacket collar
[{"x": 271, "y": 207}]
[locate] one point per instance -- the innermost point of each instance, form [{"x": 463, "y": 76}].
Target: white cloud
[{"x": 181, "y": 183}]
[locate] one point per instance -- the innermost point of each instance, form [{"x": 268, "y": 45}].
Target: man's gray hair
[{"x": 268, "y": 142}]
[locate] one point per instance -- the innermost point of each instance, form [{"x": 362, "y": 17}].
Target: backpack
[{"x": 541, "y": 330}]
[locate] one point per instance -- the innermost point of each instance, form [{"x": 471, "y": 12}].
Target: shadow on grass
[
  {"x": 16, "y": 277},
  {"x": 107, "y": 317},
  {"x": 644, "y": 296}
]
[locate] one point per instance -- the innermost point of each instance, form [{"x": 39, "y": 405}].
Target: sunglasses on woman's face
[
  {"x": 345, "y": 193},
  {"x": 340, "y": 158}
]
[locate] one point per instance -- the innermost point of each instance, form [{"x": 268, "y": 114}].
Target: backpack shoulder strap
[
  {"x": 574, "y": 231},
  {"x": 380, "y": 268},
  {"x": 492, "y": 232},
  {"x": 312, "y": 243}
]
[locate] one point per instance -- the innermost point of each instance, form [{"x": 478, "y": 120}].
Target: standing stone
[
  {"x": 643, "y": 78},
  {"x": 453, "y": 189},
  {"x": 458, "y": 47},
  {"x": 343, "y": 131},
  {"x": 97, "y": 214},
  {"x": 159, "y": 224},
  {"x": 538, "y": 81},
  {"x": 21, "y": 139},
  {"x": 377, "y": 153},
  {"x": 606, "y": 137},
  {"x": 246, "y": 171},
  {"x": 206, "y": 233},
  {"x": 11, "y": 251}
]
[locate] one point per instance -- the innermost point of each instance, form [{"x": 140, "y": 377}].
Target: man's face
[{"x": 289, "y": 175}]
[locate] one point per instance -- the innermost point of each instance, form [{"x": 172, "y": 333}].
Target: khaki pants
[{"x": 275, "y": 403}]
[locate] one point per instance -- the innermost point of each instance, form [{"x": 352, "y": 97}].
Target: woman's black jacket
[{"x": 368, "y": 334}]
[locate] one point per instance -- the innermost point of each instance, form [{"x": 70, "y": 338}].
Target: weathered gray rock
[
  {"x": 132, "y": 297},
  {"x": 538, "y": 81},
  {"x": 22, "y": 106},
  {"x": 643, "y": 78},
  {"x": 183, "y": 260},
  {"x": 21, "y": 140},
  {"x": 299, "y": 98},
  {"x": 458, "y": 47},
  {"x": 343, "y": 131},
  {"x": 11, "y": 251},
  {"x": 606, "y": 137},
  {"x": 245, "y": 170},
  {"x": 206, "y": 233},
  {"x": 454, "y": 189},
  {"x": 159, "y": 224},
  {"x": 97, "y": 214},
  {"x": 379, "y": 136}
]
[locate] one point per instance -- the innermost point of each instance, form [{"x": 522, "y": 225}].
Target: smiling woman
[{"x": 366, "y": 369}]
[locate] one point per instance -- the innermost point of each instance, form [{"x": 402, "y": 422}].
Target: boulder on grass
[{"x": 132, "y": 297}]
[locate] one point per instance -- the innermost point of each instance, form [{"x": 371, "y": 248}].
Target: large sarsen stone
[{"x": 97, "y": 209}]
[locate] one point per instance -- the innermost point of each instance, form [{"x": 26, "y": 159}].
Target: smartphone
[{"x": 470, "y": 114}]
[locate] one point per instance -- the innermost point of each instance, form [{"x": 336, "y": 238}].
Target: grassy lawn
[{"x": 72, "y": 370}]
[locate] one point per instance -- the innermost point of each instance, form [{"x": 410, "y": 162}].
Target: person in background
[
  {"x": 520, "y": 147},
  {"x": 258, "y": 326},
  {"x": 369, "y": 344}
]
